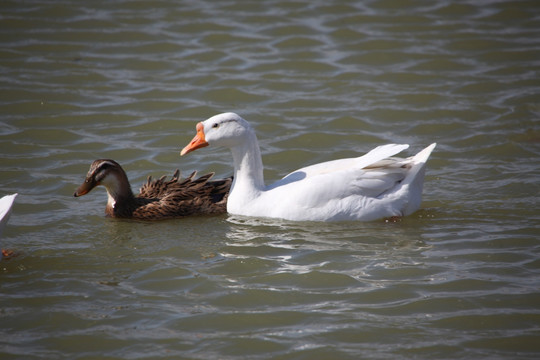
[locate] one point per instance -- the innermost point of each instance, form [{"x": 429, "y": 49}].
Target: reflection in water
[{"x": 351, "y": 249}]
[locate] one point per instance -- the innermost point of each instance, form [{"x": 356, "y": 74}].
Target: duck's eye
[{"x": 216, "y": 125}]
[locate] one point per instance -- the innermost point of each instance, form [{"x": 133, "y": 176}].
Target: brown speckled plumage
[{"x": 158, "y": 199}]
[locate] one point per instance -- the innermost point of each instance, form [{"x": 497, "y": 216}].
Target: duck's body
[
  {"x": 368, "y": 187},
  {"x": 158, "y": 199},
  {"x": 6, "y": 204}
]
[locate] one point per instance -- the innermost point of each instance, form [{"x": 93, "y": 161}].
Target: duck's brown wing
[
  {"x": 153, "y": 189},
  {"x": 186, "y": 197}
]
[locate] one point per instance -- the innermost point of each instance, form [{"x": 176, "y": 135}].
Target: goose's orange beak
[{"x": 197, "y": 142}]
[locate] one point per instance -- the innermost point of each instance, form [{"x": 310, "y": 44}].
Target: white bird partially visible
[
  {"x": 373, "y": 186},
  {"x": 6, "y": 203}
]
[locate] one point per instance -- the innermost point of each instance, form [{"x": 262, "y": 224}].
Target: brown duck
[{"x": 158, "y": 199}]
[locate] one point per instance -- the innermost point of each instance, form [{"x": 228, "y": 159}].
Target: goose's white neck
[{"x": 248, "y": 172}]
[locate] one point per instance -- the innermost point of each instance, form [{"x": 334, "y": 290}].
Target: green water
[{"x": 128, "y": 80}]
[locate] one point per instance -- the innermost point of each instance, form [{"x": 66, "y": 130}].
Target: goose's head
[
  {"x": 104, "y": 172},
  {"x": 227, "y": 130}
]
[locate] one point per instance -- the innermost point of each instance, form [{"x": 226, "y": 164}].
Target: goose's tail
[{"x": 415, "y": 179}]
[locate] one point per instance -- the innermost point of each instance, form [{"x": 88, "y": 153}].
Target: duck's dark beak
[
  {"x": 85, "y": 187},
  {"x": 198, "y": 141}
]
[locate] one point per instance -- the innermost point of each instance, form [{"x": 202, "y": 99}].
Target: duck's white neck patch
[
  {"x": 110, "y": 201},
  {"x": 114, "y": 188}
]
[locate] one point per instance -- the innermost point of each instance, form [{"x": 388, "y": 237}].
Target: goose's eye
[{"x": 215, "y": 126}]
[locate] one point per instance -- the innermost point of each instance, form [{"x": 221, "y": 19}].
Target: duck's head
[
  {"x": 227, "y": 129},
  {"x": 104, "y": 172}
]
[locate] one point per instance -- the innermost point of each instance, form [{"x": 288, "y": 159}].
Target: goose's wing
[
  {"x": 343, "y": 165},
  {"x": 323, "y": 188},
  {"x": 386, "y": 187},
  {"x": 339, "y": 186}
]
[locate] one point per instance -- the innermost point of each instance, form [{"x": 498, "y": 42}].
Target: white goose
[{"x": 366, "y": 188}]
